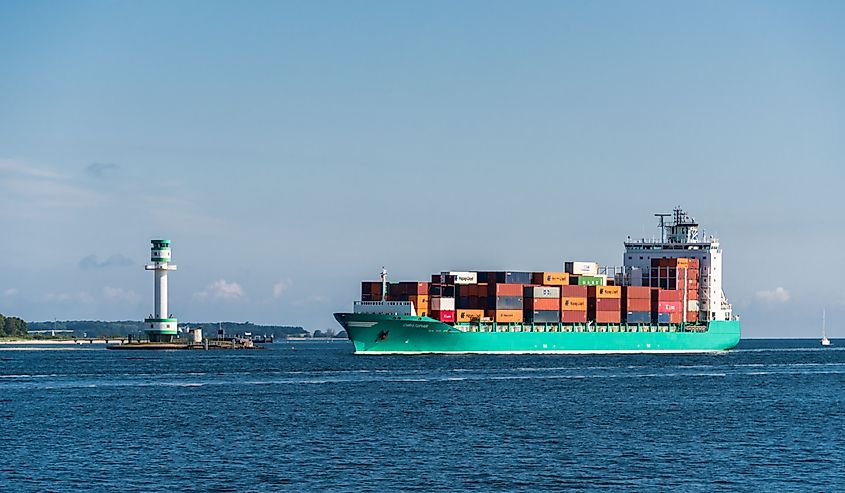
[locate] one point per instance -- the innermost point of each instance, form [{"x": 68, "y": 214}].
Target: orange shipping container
[
  {"x": 505, "y": 289},
  {"x": 469, "y": 315},
  {"x": 604, "y": 291},
  {"x": 542, "y": 304},
  {"x": 505, "y": 316},
  {"x": 419, "y": 301},
  {"x": 551, "y": 278},
  {"x": 573, "y": 304}
]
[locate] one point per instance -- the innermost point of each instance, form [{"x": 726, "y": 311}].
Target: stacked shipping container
[
  {"x": 542, "y": 304},
  {"x": 636, "y": 301},
  {"x": 371, "y": 291},
  {"x": 679, "y": 274},
  {"x": 604, "y": 304},
  {"x": 666, "y": 306},
  {"x": 573, "y": 304},
  {"x": 576, "y": 296}
]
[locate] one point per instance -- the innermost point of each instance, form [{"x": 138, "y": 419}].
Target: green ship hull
[{"x": 391, "y": 334}]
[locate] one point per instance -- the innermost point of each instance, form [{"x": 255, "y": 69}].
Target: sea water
[{"x": 311, "y": 416}]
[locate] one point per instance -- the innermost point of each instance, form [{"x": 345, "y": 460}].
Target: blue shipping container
[
  {"x": 513, "y": 277},
  {"x": 662, "y": 318},
  {"x": 638, "y": 317},
  {"x": 543, "y": 316},
  {"x": 505, "y": 302}
]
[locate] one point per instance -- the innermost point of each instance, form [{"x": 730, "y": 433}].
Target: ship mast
[
  {"x": 662, "y": 218},
  {"x": 383, "y": 284}
]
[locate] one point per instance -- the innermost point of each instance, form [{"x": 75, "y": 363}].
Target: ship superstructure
[{"x": 681, "y": 238}]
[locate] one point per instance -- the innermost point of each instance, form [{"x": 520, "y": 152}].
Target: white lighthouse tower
[{"x": 160, "y": 326}]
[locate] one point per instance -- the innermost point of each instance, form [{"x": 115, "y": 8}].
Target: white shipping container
[
  {"x": 544, "y": 292},
  {"x": 582, "y": 268},
  {"x": 461, "y": 277},
  {"x": 692, "y": 305},
  {"x": 440, "y": 303}
]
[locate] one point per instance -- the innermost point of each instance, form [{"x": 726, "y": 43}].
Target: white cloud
[
  {"x": 221, "y": 290},
  {"x": 27, "y": 191},
  {"x": 280, "y": 287},
  {"x": 92, "y": 262},
  {"x": 80, "y": 297},
  {"x": 10, "y": 292},
  {"x": 777, "y": 295},
  {"x": 121, "y": 295},
  {"x": 9, "y": 167},
  {"x": 311, "y": 300}
]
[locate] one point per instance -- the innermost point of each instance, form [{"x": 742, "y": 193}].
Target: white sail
[{"x": 825, "y": 340}]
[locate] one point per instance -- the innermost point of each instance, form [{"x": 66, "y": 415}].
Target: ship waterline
[{"x": 390, "y": 334}]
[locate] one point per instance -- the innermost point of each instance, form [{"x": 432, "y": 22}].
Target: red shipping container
[
  {"x": 443, "y": 315},
  {"x": 668, "y": 295},
  {"x": 573, "y": 317},
  {"x": 371, "y": 287},
  {"x": 538, "y": 304},
  {"x": 675, "y": 318},
  {"x": 606, "y": 317},
  {"x": 573, "y": 291},
  {"x": 692, "y": 294},
  {"x": 505, "y": 289},
  {"x": 605, "y": 304},
  {"x": 637, "y": 292},
  {"x": 638, "y": 305},
  {"x": 692, "y": 316},
  {"x": 666, "y": 307}
]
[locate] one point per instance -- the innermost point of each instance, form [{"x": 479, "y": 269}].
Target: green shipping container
[{"x": 589, "y": 281}]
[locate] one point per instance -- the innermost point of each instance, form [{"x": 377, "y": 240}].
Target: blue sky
[{"x": 290, "y": 149}]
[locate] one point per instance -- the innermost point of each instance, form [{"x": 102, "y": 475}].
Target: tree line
[{"x": 12, "y": 327}]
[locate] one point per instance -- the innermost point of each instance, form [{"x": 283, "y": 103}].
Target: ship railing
[
  {"x": 384, "y": 307},
  {"x": 590, "y": 327}
]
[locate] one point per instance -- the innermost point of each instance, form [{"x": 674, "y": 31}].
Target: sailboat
[{"x": 825, "y": 340}]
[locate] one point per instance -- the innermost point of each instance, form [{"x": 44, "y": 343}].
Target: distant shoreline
[
  {"x": 17, "y": 342},
  {"x": 85, "y": 341}
]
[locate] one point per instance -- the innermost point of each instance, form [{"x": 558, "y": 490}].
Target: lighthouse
[{"x": 160, "y": 327}]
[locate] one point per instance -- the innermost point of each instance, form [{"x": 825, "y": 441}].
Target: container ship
[{"x": 666, "y": 297}]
